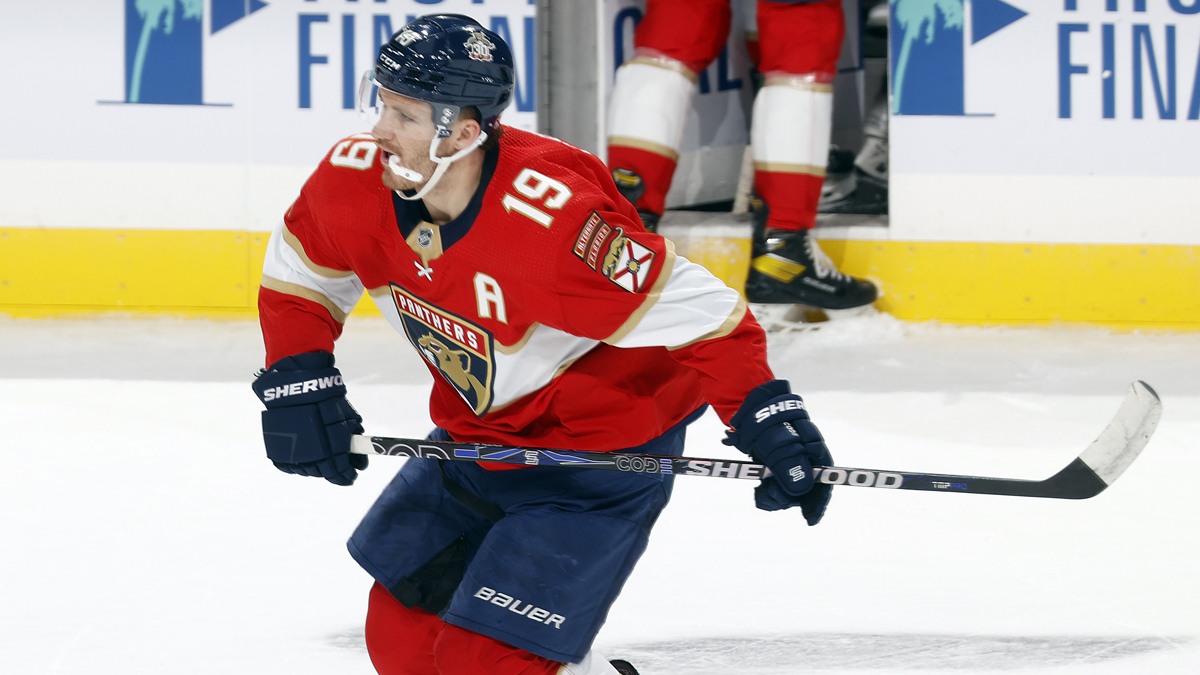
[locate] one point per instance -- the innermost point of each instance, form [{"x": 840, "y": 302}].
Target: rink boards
[
  {"x": 1042, "y": 164},
  {"x": 46, "y": 272}
]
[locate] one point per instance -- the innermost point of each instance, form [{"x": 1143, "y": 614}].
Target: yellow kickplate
[
  {"x": 63, "y": 271},
  {"x": 1122, "y": 285},
  {"x": 215, "y": 274}
]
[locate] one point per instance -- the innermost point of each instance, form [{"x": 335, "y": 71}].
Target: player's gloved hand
[
  {"x": 773, "y": 427},
  {"x": 308, "y": 421}
]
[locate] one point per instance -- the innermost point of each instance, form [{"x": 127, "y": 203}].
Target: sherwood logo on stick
[{"x": 1089, "y": 474}]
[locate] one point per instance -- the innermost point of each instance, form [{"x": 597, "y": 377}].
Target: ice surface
[{"x": 141, "y": 531}]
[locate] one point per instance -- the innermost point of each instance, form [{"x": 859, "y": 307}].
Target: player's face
[
  {"x": 405, "y": 129},
  {"x": 405, "y": 117}
]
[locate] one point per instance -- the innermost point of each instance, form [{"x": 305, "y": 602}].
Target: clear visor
[{"x": 398, "y": 114}]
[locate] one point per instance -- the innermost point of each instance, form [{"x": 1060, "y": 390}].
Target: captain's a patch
[{"x": 607, "y": 250}]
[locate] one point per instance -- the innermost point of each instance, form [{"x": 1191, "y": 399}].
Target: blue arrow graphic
[
  {"x": 989, "y": 16},
  {"x": 225, "y": 12}
]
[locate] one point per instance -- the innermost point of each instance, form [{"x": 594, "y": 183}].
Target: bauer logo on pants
[{"x": 520, "y": 608}]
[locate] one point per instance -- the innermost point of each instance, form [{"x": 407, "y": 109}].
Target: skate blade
[
  {"x": 775, "y": 318},
  {"x": 788, "y": 318}
]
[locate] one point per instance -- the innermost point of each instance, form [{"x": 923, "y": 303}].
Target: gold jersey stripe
[
  {"x": 777, "y": 267},
  {"x": 668, "y": 266},
  {"x": 800, "y": 82},
  {"x": 306, "y": 293},
  {"x": 784, "y": 167},
  {"x": 726, "y": 327},
  {"x": 666, "y": 64},
  {"x": 520, "y": 344},
  {"x": 328, "y": 272},
  {"x": 643, "y": 144}
]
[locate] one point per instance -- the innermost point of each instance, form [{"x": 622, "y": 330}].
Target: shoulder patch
[
  {"x": 585, "y": 236},
  {"x": 607, "y": 250}
]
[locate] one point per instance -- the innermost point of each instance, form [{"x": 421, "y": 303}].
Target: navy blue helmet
[{"x": 452, "y": 62}]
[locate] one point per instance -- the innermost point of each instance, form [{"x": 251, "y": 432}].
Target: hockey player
[
  {"x": 797, "y": 48},
  {"x": 548, "y": 318}
]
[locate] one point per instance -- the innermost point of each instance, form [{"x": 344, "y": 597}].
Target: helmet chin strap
[{"x": 442, "y": 163}]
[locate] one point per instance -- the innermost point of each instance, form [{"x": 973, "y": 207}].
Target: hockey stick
[{"x": 1086, "y": 476}]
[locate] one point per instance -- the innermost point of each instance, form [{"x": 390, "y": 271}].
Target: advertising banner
[
  {"x": 1048, "y": 121},
  {"x": 196, "y": 114}
]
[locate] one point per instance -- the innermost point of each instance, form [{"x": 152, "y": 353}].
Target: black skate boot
[
  {"x": 855, "y": 192},
  {"x": 790, "y": 268},
  {"x": 624, "y": 667},
  {"x": 631, "y": 186}
]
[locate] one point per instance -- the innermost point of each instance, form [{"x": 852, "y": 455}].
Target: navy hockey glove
[
  {"x": 308, "y": 421},
  {"x": 773, "y": 427}
]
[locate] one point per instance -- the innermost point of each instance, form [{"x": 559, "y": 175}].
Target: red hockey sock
[
  {"x": 400, "y": 640},
  {"x": 656, "y": 172},
  {"x": 404, "y": 641},
  {"x": 791, "y": 197},
  {"x": 459, "y": 651}
]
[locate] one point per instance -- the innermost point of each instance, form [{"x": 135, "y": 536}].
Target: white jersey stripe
[
  {"x": 668, "y": 268},
  {"x": 328, "y": 272},
  {"x": 691, "y": 305},
  {"x": 725, "y": 328},
  {"x": 286, "y": 272}
]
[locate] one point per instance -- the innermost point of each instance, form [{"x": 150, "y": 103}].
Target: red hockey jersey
[{"x": 547, "y": 315}]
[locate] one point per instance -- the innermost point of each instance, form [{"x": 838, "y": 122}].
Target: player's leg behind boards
[
  {"x": 799, "y": 45},
  {"x": 652, "y": 93}
]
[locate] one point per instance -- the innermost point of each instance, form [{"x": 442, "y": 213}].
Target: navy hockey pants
[{"x": 543, "y": 576}]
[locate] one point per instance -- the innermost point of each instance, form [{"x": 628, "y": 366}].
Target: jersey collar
[{"x": 410, "y": 214}]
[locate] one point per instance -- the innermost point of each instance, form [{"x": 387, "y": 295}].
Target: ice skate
[
  {"x": 854, "y": 192},
  {"x": 791, "y": 268},
  {"x": 631, "y": 186},
  {"x": 595, "y": 664},
  {"x": 859, "y": 184},
  {"x": 624, "y": 667}
]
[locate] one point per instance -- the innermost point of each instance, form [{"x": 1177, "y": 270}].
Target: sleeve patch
[
  {"x": 602, "y": 236},
  {"x": 607, "y": 250},
  {"x": 627, "y": 263},
  {"x": 585, "y": 235}
]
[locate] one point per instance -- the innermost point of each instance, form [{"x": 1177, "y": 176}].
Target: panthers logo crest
[
  {"x": 461, "y": 352},
  {"x": 455, "y": 364}
]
